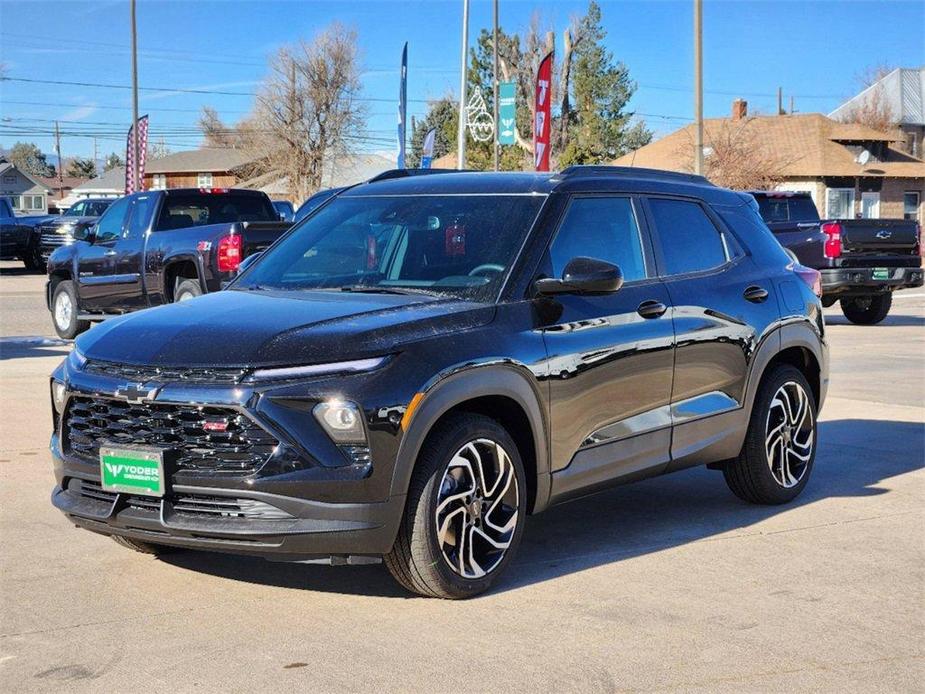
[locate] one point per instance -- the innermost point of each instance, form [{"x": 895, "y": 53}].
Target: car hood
[
  {"x": 267, "y": 328},
  {"x": 68, "y": 221}
]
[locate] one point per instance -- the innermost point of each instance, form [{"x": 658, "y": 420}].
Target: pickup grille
[
  {"x": 240, "y": 449},
  {"x": 130, "y": 372},
  {"x": 50, "y": 239}
]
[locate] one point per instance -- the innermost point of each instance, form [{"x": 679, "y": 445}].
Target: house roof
[
  {"x": 111, "y": 181},
  {"x": 7, "y": 165},
  {"x": 807, "y": 145},
  {"x": 902, "y": 91},
  {"x": 199, "y": 160},
  {"x": 61, "y": 188}
]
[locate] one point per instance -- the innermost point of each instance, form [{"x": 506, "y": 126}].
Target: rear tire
[
  {"x": 187, "y": 289},
  {"x": 64, "y": 308},
  {"x": 143, "y": 547},
  {"x": 462, "y": 521},
  {"x": 780, "y": 447},
  {"x": 867, "y": 310}
]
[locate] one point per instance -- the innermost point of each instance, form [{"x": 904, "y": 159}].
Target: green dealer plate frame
[
  {"x": 132, "y": 470},
  {"x": 881, "y": 273}
]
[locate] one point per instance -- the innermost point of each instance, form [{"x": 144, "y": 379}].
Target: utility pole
[
  {"x": 461, "y": 131},
  {"x": 96, "y": 159},
  {"x": 137, "y": 185},
  {"x": 780, "y": 101},
  {"x": 60, "y": 160},
  {"x": 791, "y": 104},
  {"x": 698, "y": 87},
  {"x": 495, "y": 83}
]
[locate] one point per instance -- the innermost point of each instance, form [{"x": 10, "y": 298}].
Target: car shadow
[
  {"x": 891, "y": 321},
  {"x": 18, "y": 270},
  {"x": 627, "y": 521},
  {"x": 29, "y": 347}
]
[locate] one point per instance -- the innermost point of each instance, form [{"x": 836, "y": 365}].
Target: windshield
[
  {"x": 96, "y": 208},
  {"x": 307, "y": 207},
  {"x": 454, "y": 245}
]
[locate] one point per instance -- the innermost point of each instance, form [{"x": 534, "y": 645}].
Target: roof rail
[
  {"x": 628, "y": 171},
  {"x": 404, "y": 173}
]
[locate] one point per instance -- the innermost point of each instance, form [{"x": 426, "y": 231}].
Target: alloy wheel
[
  {"x": 63, "y": 310},
  {"x": 477, "y": 508},
  {"x": 790, "y": 434}
]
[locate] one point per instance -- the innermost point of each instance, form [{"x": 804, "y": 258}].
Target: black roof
[{"x": 574, "y": 179}]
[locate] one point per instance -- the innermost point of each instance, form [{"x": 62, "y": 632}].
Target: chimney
[{"x": 739, "y": 109}]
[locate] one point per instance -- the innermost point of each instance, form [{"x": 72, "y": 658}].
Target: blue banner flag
[
  {"x": 507, "y": 114},
  {"x": 402, "y": 106},
  {"x": 427, "y": 154}
]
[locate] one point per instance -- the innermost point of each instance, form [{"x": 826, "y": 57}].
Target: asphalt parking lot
[{"x": 669, "y": 584}]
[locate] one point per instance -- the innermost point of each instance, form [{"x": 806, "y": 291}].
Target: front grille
[
  {"x": 200, "y": 505},
  {"x": 50, "y": 239},
  {"x": 163, "y": 374},
  {"x": 241, "y": 448}
]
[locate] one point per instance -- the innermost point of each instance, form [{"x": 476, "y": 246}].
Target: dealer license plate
[
  {"x": 881, "y": 273},
  {"x": 132, "y": 470}
]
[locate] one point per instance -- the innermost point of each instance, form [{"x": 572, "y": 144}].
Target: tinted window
[
  {"x": 76, "y": 210},
  {"x": 199, "y": 209},
  {"x": 456, "y": 245},
  {"x": 141, "y": 213},
  {"x": 803, "y": 209},
  {"x": 689, "y": 240},
  {"x": 774, "y": 209},
  {"x": 110, "y": 224},
  {"x": 602, "y": 228}
]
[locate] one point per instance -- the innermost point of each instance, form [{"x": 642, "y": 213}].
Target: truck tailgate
[
  {"x": 258, "y": 235},
  {"x": 881, "y": 236}
]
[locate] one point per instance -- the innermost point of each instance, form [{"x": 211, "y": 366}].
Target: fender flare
[
  {"x": 195, "y": 259},
  {"x": 467, "y": 383}
]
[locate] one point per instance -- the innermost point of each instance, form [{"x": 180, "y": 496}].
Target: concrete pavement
[{"x": 669, "y": 584}]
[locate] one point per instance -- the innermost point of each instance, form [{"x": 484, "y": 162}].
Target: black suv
[{"x": 426, "y": 359}]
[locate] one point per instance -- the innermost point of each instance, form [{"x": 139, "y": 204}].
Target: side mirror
[
  {"x": 583, "y": 276},
  {"x": 248, "y": 261},
  {"x": 85, "y": 233}
]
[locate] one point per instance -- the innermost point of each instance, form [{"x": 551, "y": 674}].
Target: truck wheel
[
  {"x": 64, "y": 309},
  {"x": 187, "y": 289},
  {"x": 33, "y": 258},
  {"x": 780, "y": 446},
  {"x": 465, "y": 510},
  {"x": 867, "y": 310},
  {"x": 143, "y": 547}
]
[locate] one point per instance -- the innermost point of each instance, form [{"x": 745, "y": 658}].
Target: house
[
  {"x": 900, "y": 96},
  {"x": 198, "y": 168},
  {"x": 60, "y": 192},
  {"x": 111, "y": 184},
  {"x": 849, "y": 169},
  {"x": 28, "y": 195}
]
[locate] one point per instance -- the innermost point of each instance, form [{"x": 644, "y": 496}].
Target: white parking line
[{"x": 907, "y": 296}]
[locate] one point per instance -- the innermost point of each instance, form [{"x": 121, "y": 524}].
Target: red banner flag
[
  {"x": 131, "y": 185},
  {"x": 542, "y": 118}
]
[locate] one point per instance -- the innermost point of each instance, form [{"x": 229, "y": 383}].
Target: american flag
[{"x": 132, "y": 186}]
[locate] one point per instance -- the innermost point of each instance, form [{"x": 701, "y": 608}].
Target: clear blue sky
[{"x": 814, "y": 50}]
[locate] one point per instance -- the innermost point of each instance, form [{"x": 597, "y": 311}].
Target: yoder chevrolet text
[{"x": 428, "y": 358}]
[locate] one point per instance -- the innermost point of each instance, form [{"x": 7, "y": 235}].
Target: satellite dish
[{"x": 863, "y": 157}]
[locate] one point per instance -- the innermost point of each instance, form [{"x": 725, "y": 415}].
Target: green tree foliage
[
  {"x": 29, "y": 158},
  {"x": 113, "y": 161},
  {"x": 441, "y": 116},
  {"x": 81, "y": 168}
]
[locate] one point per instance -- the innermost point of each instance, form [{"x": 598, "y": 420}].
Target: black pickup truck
[
  {"x": 862, "y": 261},
  {"x": 57, "y": 231},
  {"x": 156, "y": 247}
]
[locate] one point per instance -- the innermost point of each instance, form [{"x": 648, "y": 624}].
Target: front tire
[
  {"x": 867, "y": 310},
  {"x": 464, "y": 513},
  {"x": 187, "y": 289},
  {"x": 33, "y": 258},
  {"x": 780, "y": 447},
  {"x": 64, "y": 308}
]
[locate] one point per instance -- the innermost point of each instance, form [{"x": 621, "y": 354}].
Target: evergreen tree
[{"x": 81, "y": 168}]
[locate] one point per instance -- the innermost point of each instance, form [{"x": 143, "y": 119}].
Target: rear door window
[
  {"x": 604, "y": 228},
  {"x": 689, "y": 240}
]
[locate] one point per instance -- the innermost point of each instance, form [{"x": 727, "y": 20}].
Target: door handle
[
  {"x": 755, "y": 294},
  {"x": 109, "y": 253},
  {"x": 651, "y": 309}
]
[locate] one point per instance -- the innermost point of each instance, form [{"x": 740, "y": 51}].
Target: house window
[
  {"x": 28, "y": 203},
  {"x": 911, "y": 200},
  {"x": 204, "y": 180},
  {"x": 839, "y": 203},
  {"x": 870, "y": 205},
  {"x": 159, "y": 182},
  {"x": 9, "y": 179}
]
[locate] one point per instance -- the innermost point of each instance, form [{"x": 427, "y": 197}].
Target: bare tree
[
  {"x": 873, "y": 109},
  {"x": 737, "y": 157}
]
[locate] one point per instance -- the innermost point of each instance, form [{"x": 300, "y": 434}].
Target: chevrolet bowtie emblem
[
  {"x": 884, "y": 234},
  {"x": 136, "y": 392}
]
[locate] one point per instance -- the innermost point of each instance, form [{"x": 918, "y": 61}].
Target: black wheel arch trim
[{"x": 469, "y": 382}]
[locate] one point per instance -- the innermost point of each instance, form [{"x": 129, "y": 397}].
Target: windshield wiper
[{"x": 378, "y": 289}]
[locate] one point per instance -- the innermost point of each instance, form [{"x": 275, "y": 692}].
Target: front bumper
[
  {"x": 220, "y": 519},
  {"x": 861, "y": 280}
]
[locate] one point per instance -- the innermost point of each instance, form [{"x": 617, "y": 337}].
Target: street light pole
[
  {"x": 461, "y": 131},
  {"x": 494, "y": 73},
  {"x": 136, "y": 183},
  {"x": 698, "y": 87}
]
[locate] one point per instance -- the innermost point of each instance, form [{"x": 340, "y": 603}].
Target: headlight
[
  {"x": 76, "y": 360},
  {"x": 317, "y": 369},
  {"x": 58, "y": 395},
  {"x": 342, "y": 420}
]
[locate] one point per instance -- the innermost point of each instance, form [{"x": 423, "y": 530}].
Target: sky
[{"x": 815, "y": 50}]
